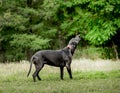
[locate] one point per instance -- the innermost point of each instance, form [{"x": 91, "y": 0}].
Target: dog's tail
[{"x": 30, "y": 66}]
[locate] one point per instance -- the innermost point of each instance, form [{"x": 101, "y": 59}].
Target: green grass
[{"x": 13, "y": 80}]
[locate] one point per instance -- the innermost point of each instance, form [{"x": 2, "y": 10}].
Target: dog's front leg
[
  {"x": 61, "y": 72},
  {"x": 69, "y": 70}
]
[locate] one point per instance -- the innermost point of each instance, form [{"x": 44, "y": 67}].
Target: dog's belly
[
  {"x": 54, "y": 62},
  {"x": 57, "y": 65}
]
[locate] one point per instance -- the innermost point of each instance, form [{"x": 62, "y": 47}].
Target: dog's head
[{"x": 73, "y": 43}]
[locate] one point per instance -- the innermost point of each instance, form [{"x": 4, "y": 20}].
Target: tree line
[{"x": 30, "y": 25}]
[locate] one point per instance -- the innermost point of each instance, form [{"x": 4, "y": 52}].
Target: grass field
[{"x": 89, "y": 76}]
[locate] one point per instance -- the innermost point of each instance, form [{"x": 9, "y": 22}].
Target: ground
[{"x": 89, "y": 76}]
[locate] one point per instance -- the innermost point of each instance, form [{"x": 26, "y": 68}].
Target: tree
[
  {"x": 29, "y": 25},
  {"x": 97, "y": 21},
  {"x": 19, "y": 26}
]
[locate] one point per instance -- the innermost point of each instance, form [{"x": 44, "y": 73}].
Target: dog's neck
[{"x": 69, "y": 46}]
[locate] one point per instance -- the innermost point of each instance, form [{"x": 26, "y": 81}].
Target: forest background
[{"x": 27, "y": 26}]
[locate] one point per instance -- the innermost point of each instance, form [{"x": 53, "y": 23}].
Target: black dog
[{"x": 59, "y": 58}]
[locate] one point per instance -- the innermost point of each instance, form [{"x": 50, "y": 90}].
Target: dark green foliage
[
  {"x": 51, "y": 23},
  {"x": 29, "y": 41},
  {"x": 20, "y": 29}
]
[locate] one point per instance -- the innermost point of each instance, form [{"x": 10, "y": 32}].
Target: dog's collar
[{"x": 69, "y": 46}]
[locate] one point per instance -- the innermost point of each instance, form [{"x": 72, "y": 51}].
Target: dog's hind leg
[
  {"x": 39, "y": 71},
  {"x": 36, "y": 73},
  {"x": 38, "y": 77}
]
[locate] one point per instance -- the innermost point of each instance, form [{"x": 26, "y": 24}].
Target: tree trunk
[
  {"x": 115, "y": 50},
  {"x": 61, "y": 39},
  {"x": 29, "y": 3},
  {"x": 29, "y": 54}
]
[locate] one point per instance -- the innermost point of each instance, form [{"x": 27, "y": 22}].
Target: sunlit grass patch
[{"x": 97, "y": 75}]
